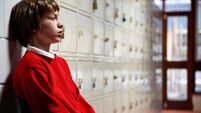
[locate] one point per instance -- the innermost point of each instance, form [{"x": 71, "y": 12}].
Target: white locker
[
  {"x": 117, "y": 42},
  {"x": 108, "y": 104},
  {"x": 98, "y": 37},
  {"x": 68, "y": 19},
  {"x": 118, "y": 12},
  {"x": 108, "y": 79},
  {"x": 125, "y": 78},
  {"x": 2, "y": 13},
  {"x": 125, "y": 44},
  {"x": 99, "y": 11},
  {"x": 117, "y": 79},
  {"x": 108, "y": 41},
  {"x": 97, "y": 79},
  {"x": 117, "y": 104},
  {"x": 84, "y": 34},
  {"x": 70, "y": 2},
  {"x": 85, "y": 5},
  {"x": 125, "y": 14},
  {"x": 109, "y": 10},
  {"x": 125, "y": 103},
  {"x": 98, "y": 105},
  {"x": 84, "y": 78},
  {"x": 8, "y": 6},
  {"x": 4, "y": 60},
  {"x": 73, "y": 69}
]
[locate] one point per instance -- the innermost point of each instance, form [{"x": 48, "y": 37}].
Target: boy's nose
[{"x": 60, "y": 25}]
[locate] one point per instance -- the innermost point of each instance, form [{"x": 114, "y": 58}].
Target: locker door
[
  {"x": 2, "y": 30},
  {"x": 84, "y": 34},
  {"x": 68, "y": 19},
  {"x": 117, "y": 79},
  {"x": 125, "y": 44},
  {"x": 108, "y": 104},
  {"x": 109, "y": 10},
  {"x": 125, "y": 14},
  {"x": 8, "y": 6},
  {"x": 98, "y": 37},
  {"x": 73, "y": 69},
  {"x": 117, "y": 104},
  {"x": 125, "y": 103},
  {"x": 99, "y": 12},
  {"x": 4, "y": 60},
  {"x": 97, "y": 79},
  {"x": 118, "y": 12},
  {"x": 108, "y": 79},
  {"x": 84, "y": 79},
  {"x": 98, "y": 106},
  {"x": 85, "y": 5},
  {"x": 108, "y": 41},
  {"x": 117, "y": 42}
]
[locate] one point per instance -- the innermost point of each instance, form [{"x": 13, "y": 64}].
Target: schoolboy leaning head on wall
[{"x": 26, "y": 16}]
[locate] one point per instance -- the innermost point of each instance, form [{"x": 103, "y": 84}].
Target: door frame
[{"x": 183, "y": 64}]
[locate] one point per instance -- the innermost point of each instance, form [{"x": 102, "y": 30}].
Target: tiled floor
[{"x": 178, "y": 111}]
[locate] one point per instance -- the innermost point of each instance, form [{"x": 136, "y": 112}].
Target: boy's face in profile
[{"x": 50, "y": 29}]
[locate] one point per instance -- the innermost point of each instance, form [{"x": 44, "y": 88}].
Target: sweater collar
[{"x": 40, "y": 51}]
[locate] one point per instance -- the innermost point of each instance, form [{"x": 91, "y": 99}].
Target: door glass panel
[
  {"x": 198, "y": 35},
  {"x": 177, "y": 5},
  {"x": 177, "y": 35},
  {"x": 198, "y": 81},
  {"x": 177, "y": 84}
]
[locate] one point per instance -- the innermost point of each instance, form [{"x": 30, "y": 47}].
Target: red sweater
[{"x": 47, "y": 86}]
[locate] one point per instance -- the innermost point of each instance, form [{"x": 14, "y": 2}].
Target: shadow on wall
[{"x": 8, "y": 101}]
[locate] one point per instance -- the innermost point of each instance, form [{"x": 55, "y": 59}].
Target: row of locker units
[
  {"x": 128, "y": 102},
  {"x": 125, "y": 13},
  {"x": 130, "y": 15},
  {"x": 96, "y": 79},
  {"x": 93, "y": 36}
]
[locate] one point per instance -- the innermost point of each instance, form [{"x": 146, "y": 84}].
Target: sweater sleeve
[{"x": 38, "y": 93}]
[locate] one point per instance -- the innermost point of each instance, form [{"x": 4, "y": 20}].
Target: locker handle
[
  {"x": 80, "y": 83},
  {"x": 115, "y": 77},
  {"x": 107, "y": 4},
  {"x": 131, "y": 48},
  {"x": 105, "y": 81},
  {"x": 106, "y": 39},
  {"x": 115, "y": 44},
  {"x": 95, "y": 5},
  {"x": 116, "y": 13},
  {"x": 95, "y": 36},
  {"x": 80, "y": 33}
]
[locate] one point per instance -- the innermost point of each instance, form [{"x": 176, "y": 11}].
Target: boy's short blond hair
[{"x": 25, "y": 18}]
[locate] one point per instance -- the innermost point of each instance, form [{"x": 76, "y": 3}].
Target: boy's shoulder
[{"x": 33, "y": 59}]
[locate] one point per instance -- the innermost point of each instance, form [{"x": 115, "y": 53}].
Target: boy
[{"x": 42, "y": 80}]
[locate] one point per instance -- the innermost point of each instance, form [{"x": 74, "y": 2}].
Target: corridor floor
[{"x": 178, "y": 111}]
